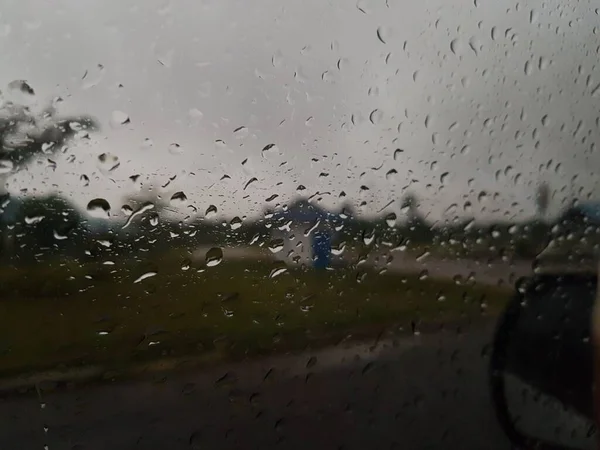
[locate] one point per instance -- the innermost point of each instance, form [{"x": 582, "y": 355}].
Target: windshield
[{"x": 280, "y": 224}]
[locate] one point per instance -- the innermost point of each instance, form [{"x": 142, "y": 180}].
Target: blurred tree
[
  {"x": 25, "y": 134},
  {"x": 416, "y": 225}
]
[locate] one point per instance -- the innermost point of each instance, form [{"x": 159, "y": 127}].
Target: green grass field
[{"x": 66, "y": 315}]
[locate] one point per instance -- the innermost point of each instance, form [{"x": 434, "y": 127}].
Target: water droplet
[
  {"x": 108, "y": 162},
  {"x": 362, "y": 6},
  {"x": 277, "y": 59},
  {"x": 145, "y": 276},
  {"x": 211, "y": 212},
  {"x": 270, "y": 148},
  {"x": 126, "y": 210},
  {"x": 482, "y": 197},
  {"x": 368, "y": 237},
  {"x": 545, "y": 120},
  {"x": 178, "y": 199},
  {"x": 60, "y": 235},
  {"x": 119, "y": 118},
  {"x": 277, "y": 271},
  {"x": 235, "y": 223},
  {"x": 390, "y": 219},
  {"x": 142, "y": 209},
  {"x": 175, "y": 149},
  {"x": 147, "y": 143},
  {"x": 32, "y": 220},
  {"x": 383, "y": 34},
  {"x": 455, "y": 46},
  {"x": 339, "y": 249},
  {"x": 22, "y": 86},
  {"x": 85, "y": 181},
  {"x": 99, "y": 208},
  {"x": 94, "y": 79},
  {"x": 528, "y": 68},
  {"x": 398, "y": 154},
  {"x": 276, "y": 245},
  {"x": 533, "y": 16},
  {"x": 6, "y": 166},
  {"x": 391, "y": 174},
  {"x": 375, "y": 116},
  {"x": 214, "y": 256},
  {"x": 186, "y": 264},
  {"x": 444, "y": 177},
  {"x": 240, "y": 132},
  {"x": 249, "y": 182},
  {"x": 195, "y": 114}
]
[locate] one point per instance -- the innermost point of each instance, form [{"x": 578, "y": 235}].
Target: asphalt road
[{"x": 417, "y": 392}]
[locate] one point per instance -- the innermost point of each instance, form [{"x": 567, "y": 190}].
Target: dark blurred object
[{"x": 544, "y": 339}]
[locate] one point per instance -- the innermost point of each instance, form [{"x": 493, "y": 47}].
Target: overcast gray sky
[{"x": 485, "y": 98}]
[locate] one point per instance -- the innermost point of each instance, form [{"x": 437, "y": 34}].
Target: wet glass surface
[{"x": 281, "y": 224}]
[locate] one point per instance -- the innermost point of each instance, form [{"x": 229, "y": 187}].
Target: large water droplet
[
  {"x": 60, "y": 235},
  {"x": 390, "y": 219},
  {"x": 383, "y": 34},
  {"x": 21, "y": 86},
  {"x": 211, "y": 212},
  {"x": 276, "y": 245},
  {"x": 455, "y": 46},
  {"x": 277, "y": 271},
  {"x": 375, "y": 116},
  {"x": 267, "y": 149},
  {"x": 144, "y": 276},
  {"x": 178, "y": 199},
  {"x": 249, "y": 182},
  {"x": 235, "y": 223},
  {"x": 99, "y": 208},
  {"x": 214, "y": 256},
  {"x": 368, "y": 237},
  {"x": 32, "y": 220}
]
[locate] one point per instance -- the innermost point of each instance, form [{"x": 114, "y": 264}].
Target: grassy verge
[{"x": 70, "y": 316}]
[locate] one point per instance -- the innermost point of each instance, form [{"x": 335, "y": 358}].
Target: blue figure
[{"x": 321, "y": 246}]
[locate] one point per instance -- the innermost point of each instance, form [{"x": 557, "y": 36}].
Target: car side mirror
[{"x": 541, "y": 367}]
